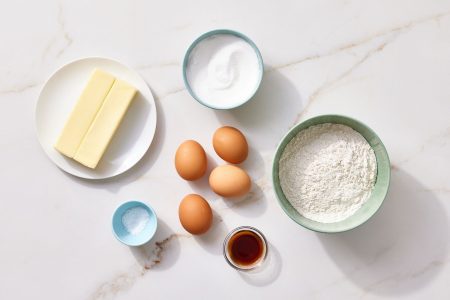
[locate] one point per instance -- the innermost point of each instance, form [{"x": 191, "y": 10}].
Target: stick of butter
[
  {"x": 100, "y": 133},
  {"x": 84, "y": 112}
]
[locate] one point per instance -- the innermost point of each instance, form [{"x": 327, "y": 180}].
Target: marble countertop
[{"x": 386, "y": 63}]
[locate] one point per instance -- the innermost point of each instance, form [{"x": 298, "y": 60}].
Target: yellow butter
[
  {"x": 102, "y": 129},
  {"x": 84, "y": 112}
]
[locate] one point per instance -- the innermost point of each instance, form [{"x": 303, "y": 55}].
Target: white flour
[{"x": 327, "y": 172}]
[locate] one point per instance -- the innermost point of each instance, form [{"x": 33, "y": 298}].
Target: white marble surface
[{"x": 386, "y": 63}]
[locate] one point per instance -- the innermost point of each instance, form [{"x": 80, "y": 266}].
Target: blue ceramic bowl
[
  {"x": 123, "y": 235},
  {"x": 207, "y": 35}
]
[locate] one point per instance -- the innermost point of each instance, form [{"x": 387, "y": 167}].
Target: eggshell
[
  {"x": 190, "y": 160},
  {"x": 229, "y": 181},
  {"x": 230, "y": 144},
  {"x": 195, "y": 214}
]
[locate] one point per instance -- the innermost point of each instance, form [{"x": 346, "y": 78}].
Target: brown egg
[
  {"x": 229, "y": 181},
  {"x": 230, "y": 144},
  {"x": 195, "y": 214},
  {"x": 190, "y": 160}
]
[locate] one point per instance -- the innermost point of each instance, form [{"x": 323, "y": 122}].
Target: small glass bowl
[{"x": 256, "y": 264}]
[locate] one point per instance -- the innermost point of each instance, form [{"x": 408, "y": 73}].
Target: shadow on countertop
[
  {"x": 251, "y": 205},
  {"x": 201, "y": 186},
  {"x": 269, "y": 114},
  {"x": 212, "y": 241},
  {"x": 268, "y": 272},
  {"x": 161, "y": 252},
  {"x": 402, "y": 248}
]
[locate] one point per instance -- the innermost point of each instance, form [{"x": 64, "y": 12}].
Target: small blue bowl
[
  {"x": 207, "y": 35},
  {"x": 121, "y": 233}
]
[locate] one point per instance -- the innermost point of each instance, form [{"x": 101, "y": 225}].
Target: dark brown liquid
[{"x": 245, "y": 248}]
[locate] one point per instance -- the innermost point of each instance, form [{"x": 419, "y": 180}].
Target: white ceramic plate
[{"x": 133, "y": 137}]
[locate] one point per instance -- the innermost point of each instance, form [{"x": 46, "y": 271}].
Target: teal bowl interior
[
  {"x": 378, "y": 194},
  {"x": 207, "y": 35},
  {"x": 123, "y": 235}
]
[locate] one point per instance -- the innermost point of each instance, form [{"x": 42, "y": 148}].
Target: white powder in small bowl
[
  {"x": 327, "y": 172},
  {"x": 223, "y": 70},
  {"x": 135, "y": 219}
]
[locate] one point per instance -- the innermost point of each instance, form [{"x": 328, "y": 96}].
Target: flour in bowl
[{"x": 327, "y": 172}]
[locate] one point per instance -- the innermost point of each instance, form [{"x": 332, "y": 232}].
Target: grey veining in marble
[{"x": 385, "y": 63}]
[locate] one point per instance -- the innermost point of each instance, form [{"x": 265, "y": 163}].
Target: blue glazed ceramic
[{"x": 123, "y": 235}]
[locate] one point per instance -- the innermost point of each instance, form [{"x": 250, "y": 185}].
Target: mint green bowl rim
[
  {"x": 378, "y": 194},
  {"x": 217, "y": 32}
]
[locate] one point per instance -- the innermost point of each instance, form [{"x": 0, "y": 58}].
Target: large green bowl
[{"x": 378, "y": 194}]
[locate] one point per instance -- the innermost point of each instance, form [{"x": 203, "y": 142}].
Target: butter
[
  {"x": 84, "y": 112},
  {"x": 102, "y": 129}
]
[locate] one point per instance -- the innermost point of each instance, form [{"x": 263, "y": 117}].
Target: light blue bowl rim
[
  {"x": 136, "y": 203},
  {"x": 275, "y": 164},
  {"x": 217, "y": 32}
]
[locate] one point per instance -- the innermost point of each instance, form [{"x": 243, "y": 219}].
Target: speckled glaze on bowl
[
  {"x": 378, "y": 194},
  {"x": 207, "y": 35}
]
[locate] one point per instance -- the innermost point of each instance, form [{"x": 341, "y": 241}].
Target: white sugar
[
  {"x": 223, "y": 70},
  {"x": 135, "y": 219}
]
